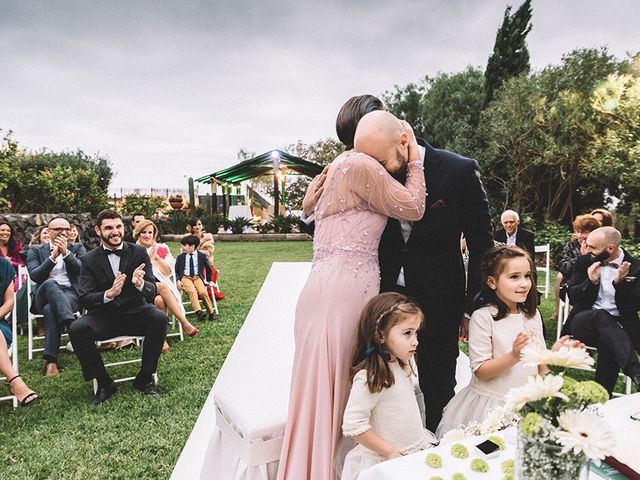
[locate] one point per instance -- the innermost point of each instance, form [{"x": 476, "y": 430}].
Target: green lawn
[{"x": 130, "y": 436}]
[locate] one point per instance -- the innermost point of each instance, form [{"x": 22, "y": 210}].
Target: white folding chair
[
  {"x": 13, "y": 353},
  {"x": 546, "y": 269},
  {"x": 214, "y": 303},
  {"x": 563, "y": 315},
  {"x": 137, "y": 341},
  {"x": 23, "y": 273}
]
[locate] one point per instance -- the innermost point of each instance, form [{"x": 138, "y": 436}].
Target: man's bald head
[
  {"x": 604, "y": 243},
  {"x": 382, "y": 136},
  {"x": 607, "y": 236}
]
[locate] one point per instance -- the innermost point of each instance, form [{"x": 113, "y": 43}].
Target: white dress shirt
[
  {"x": 511, "y": 239},
  {"x": 606, "y": 299},
  {"x": 59, "y": 270},
  {"x": 187, "y": 269}
]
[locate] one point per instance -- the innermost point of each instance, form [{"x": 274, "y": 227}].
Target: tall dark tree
[{"x": 510, "y": 56}]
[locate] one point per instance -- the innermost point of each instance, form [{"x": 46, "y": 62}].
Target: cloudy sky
[{"x": 172, "y": 89}]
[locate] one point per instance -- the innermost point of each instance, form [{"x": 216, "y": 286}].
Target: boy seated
[{"x": 189, "y": 266}]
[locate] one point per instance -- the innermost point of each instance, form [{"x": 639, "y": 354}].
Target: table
[{"x": 412, "y": 467}]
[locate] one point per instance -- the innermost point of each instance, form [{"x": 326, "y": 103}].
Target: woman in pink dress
[{"x": 358, "y": 196}]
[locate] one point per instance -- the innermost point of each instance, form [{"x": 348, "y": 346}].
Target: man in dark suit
[
  {"x": 513, "y": 234},
  {"x": 423, "y": 260},
  {"x": 55, "y": 268},
  {"x": 605, "y": 293},
  {"x": 117, "y": 287}
]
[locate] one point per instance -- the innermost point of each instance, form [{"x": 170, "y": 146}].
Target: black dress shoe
[
  {"x": 213, "y": 317},
  {"x": 104, "y": 393},
  {"x": 148, "y": 389}
]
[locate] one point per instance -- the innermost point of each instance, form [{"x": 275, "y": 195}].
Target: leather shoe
[
  {"x": 51, "y": 369},
  {"x": 150, "y": 389},
  {"x": 213, "y": 317},
  {"x": 103, "y": 394}
]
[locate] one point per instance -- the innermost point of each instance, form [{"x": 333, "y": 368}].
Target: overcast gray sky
[{"x": 168, "y": 89}]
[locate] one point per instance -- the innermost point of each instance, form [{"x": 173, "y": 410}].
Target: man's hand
[
  {"x": 623, "y": 271},
  {"x": 61, "y": 243},
  {"x": 583, "y": 247},
  {"x": 116, "y": 288},
  {"x": 594, "y": 273},
  {"x": 138, "y": 276},
  {"x": 179, "y": 285},
  {"x": 464, "y": 327}
]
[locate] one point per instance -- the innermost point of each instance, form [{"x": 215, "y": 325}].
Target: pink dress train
[{"x": 351, "y": 215}]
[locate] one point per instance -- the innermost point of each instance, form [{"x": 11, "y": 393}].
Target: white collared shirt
[
  {"x": 114, "y": 261},
  {"x": 511, "y": 239},
  {"x": 606, "y": 299},
  {"x": 187, "y": 270},
  {"x": 59, "y": 270},
  {"x": 405, "y": 227}
]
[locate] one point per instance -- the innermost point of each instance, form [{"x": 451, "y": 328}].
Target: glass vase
[{"x": 541, "y": 460}]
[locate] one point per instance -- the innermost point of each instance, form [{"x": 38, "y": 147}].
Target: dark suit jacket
[
  {"x": 524, "y": 239},
  {"x": 39, "y": 263},
  {"x": 433, "y": 268},
  {"x": 583, "y": 293},
  {"x": 203, "y": 264},
  {"x": 96, "y": 277}
]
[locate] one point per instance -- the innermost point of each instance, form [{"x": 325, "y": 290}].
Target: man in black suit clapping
[
  {"x": 116, "y": 286},
  {"x": 514, "y": 234}
]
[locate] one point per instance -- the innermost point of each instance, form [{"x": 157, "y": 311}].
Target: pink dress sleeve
[{"x": 377, "y": 190}]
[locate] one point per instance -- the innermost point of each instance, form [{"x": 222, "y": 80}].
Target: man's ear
[
  {"x": 404, "y": 139},
  {"x": 97, "y": 230}
]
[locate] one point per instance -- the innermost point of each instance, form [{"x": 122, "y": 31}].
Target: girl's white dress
[
  {"x": 489, "y": 338},
  {"x": 393, "y": 413},
  {"x": 164, "y": 252}
]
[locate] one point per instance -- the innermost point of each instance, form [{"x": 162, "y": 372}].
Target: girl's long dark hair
[
  {"x": 493, "y": 264},
  {"x": 378, "y": 316}
]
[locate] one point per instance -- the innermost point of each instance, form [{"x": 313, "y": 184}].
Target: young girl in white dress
[
  {"x": 508, "y": 321},
  {"x": 382, "y": 412}
]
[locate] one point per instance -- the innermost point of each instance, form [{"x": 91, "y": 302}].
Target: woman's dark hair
[
  {"x": 607, "y": 218},
  {"x": 378, "y": 316},
  {"x": 11, "y": 243},
  {"x": 350, "y": 114},
  {"x": 193, "y": 221},
  {"x": 492, "y": 264}
]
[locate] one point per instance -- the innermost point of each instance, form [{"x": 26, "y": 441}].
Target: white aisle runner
[
  {"x": 238, "y": 434},
  {"x": 252, "y": 389}
]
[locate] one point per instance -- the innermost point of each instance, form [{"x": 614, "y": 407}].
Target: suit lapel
[
  {"x": 103, "y": 261},
  {"x": 125, "y": 259}
]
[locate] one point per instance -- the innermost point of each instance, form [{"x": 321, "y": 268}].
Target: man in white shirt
[
  {"x": 605, "y": 292},
  {"x": 513, "y": 234},
  {"x": 55, "y": 268}
]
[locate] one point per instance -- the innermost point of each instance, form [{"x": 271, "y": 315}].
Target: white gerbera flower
[
  {"x": 584, "y": 432},
  {"x": 498, "y": 418},
  {"x": 565, "y": 357},
  {"x": 536, "y": 388}
]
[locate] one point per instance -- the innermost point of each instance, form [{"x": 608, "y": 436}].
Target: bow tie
[
  {"x": 112, "y": 252},
  {"x": 610, "y": 264}
]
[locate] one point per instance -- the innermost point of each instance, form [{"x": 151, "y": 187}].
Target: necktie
[
  {"x": 192, "y": 268},
  {"x": 113, "y": 252}
]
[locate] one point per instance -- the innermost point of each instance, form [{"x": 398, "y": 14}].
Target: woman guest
[
  {"x": 10, "y": 246},
  {"x": 583, "y": 225},
  {"x": 162, "y": 262},
  {"x": 40, "y": 237},
  {"x": 74, "y": 234},
  {"x": 207, "y": 247}
]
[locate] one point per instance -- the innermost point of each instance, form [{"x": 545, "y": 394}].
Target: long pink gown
[{"x": 351, "y": 214}]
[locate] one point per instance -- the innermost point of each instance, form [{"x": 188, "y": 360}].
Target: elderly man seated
[
  {"x": 55, "y": 267},
  {"x": 605, "y": 293}
]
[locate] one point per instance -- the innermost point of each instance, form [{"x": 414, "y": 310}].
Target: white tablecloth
[{"x": 413, "y": 467}]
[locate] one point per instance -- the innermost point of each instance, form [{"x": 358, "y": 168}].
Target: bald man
[
  {"x": 382, "y": 136},
  {"x": 605, "y": 293}
]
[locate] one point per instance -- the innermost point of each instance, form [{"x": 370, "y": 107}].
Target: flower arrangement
[{"x": 559, "y": 428}]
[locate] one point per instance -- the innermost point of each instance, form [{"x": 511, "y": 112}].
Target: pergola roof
[{"x": 263, "y": 165}]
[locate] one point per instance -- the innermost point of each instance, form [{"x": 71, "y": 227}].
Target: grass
[
  {"x": 130, "y": 436},
  {"x": 62, "y": 436}
]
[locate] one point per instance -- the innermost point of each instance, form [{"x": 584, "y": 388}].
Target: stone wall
[{"x": 25, "y": 225}]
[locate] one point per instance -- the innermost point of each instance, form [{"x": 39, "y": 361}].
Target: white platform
[{"x": 238, "y": 434}]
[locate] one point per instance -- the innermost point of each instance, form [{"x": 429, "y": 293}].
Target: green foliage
[
  {"x": 407, "y": 103},
  {"x": 147, "y": 204},
  {"x": 211, "y": 223},
  {"x": 554, "y": 234},
  {"x": 178, "y": 221},
  {"x": 284, "y": 224},
  {"x": 237, "y": 224},
  {"x": 49, "y": 182},
  {"x": 510, "y": 56}
]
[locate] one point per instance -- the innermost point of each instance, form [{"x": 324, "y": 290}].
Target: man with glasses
[{"x": 55, "y": 268}]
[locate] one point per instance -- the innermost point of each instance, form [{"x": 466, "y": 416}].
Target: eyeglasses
[{"x": 60, "y": 229}]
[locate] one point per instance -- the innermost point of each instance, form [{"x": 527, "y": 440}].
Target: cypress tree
[{"x": 510, "y": 56}]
